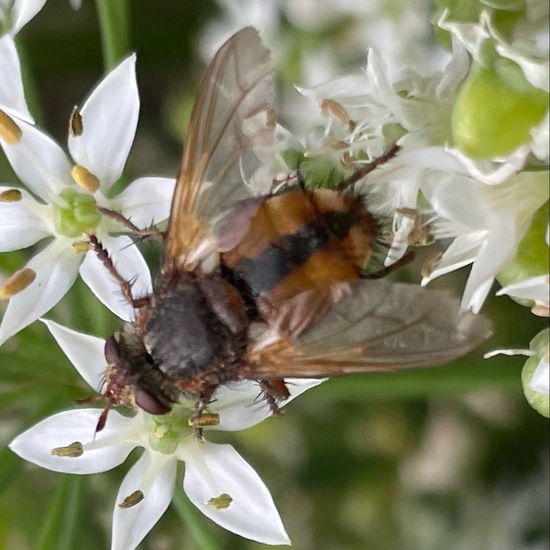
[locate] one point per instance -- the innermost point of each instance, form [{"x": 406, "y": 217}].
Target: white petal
[
  {"x": 85, "y": 352},
  {"x": 65, "y": 428},
  {"x": 241, "y": 406},
  {"x": 497, "y": 250},
  {"x": 12, "y": 96},
  {"x": 39, "y": 162},
  {"x": 23, "y": 11},
  {"x": 534, "y": 288},
  {"x": 130, "y": 265},
  {"x": 23, "y": 223},
  {"x": 109, "y": 118},
  {"x": 56, "y": 269},
  {"x": 154, "y": 475},
  {"x": 146, "y": 201},
  {"x": 214, "y": 470}
]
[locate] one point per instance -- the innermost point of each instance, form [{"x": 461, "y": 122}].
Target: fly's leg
[
  {"x": 151, "y": 231},
  {"x": 274, "y": 391},
  {"x": 125, "y": 286},
  {"x": 368, "y": 168}
]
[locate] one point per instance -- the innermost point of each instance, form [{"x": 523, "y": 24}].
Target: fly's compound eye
[
  {"x": 112, "y": 351},
  {"x": 149, "y": 403}
]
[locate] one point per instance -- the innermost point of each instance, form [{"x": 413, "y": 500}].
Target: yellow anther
[
  {"x": 19, "y": 281},
  {"x": 85, "y": 179},
  {"x": 10, "y": 195},
  {"x": 74, "y": 450},
  {"x": 80, "y": 247},
  {"x": 9, "y": 131}
]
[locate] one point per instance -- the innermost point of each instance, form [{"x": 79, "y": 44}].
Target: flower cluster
[{"x": 472, "y": 172}]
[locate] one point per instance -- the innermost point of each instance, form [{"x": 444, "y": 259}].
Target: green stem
[{"x": 114, "y": 24}]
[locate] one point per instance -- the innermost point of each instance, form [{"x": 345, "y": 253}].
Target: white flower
[
  {"x": 486, "y": 224},
  {"x": 416, "y": 109},
  {"x": 12, "y": 97},
  {"x": 217, "y": 480},
  {"x": 68, "y": 193},
  {"x": 15, "y": 14}
]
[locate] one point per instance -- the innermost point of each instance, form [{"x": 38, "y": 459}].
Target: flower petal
[
  {"x": 65, "y": 428},
  {"x": 23, "y": 11},
  {"x": 130, "y": 265},
  {"x": 12, "y": 96},
  {"x": 23, "y": 223},
  {"x": 85, "y": 352},
  {"x": 109, "y": 118},
  {"x": 39, "y": 162},
  {"x": 146, "y": 201},
  {"x": 240, "y": 406},
  {"x": 154, "y": 475},
  {"x": 213, "y": 471},
  {"x": 56, "y": 269}
]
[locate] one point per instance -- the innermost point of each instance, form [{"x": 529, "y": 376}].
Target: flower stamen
[
  {"x": 9, "y": 130},
  {"x": 11, "y": 195},
  {"x": 221, "y": 502},
  {"x": 85, "y": 179},
  {"x": 74, "y": 450},
  {"x": 131, "y": 500},
  {"x": 76, "y": 126},
  {"x": 19, "y": 281}
]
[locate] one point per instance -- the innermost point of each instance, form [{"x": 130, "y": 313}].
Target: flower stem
[{"x": 115, "y": 30}]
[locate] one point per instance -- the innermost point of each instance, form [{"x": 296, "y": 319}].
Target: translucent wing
[
  {"x": 380, "y": 326},
  {"x": 230, "y": 118}
]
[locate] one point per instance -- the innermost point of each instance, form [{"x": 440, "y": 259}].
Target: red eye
[
  {"x": 112, "y": 351},
  {"x": 150, "y": 404}
]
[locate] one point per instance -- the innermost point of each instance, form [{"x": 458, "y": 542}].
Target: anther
[
  {"x": 74, "y": 450},
  {"x": 85, "y": 179},
  {"x": 11, "y": 195},
  {"x": 19, "y": 281},
  {"x": 9, "y": 131},
  {"x": 76, "y": 126}
]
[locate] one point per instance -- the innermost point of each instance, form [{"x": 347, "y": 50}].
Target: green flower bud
[
  {"x": 495, "y": 110},
  {"x": 539, "y": 346},
  {"x": 532, "y": 256}
]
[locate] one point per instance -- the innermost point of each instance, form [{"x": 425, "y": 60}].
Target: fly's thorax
[{"x": 196, "y": 330}]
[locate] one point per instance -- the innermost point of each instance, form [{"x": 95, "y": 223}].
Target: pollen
[
  {"x": 9, "y": 131},
  {"x": 19, "y": 281},
  {"x": 74, "y": 450},
  {"x": 11, "y": 195},
  {"x": 85, "y": 179}
]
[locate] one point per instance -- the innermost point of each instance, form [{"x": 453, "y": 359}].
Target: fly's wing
[
  {"x": 231, "y": 117},
  {"x": 380, "y": 327}
]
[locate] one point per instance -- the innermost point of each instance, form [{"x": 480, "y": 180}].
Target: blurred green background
[{"x": 448, "y": 458}]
